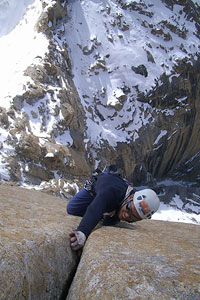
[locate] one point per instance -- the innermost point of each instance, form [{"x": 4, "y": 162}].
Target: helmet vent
[{"x": 141, "y": 197}]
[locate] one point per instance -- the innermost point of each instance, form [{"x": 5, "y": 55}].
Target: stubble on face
[{"x": 124, "y": 214}]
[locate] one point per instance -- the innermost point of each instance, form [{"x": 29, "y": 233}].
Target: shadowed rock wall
[
  {"x": 151, "y": 260},
  {"x": 164, "y": 145}
]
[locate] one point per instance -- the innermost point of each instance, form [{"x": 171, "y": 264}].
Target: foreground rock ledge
[
  {"x": 150, "y": 260},
  {"x": 36, "y": 260}
]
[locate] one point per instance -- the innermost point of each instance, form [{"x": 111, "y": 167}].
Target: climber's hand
[{"x": 77, "y": 240}]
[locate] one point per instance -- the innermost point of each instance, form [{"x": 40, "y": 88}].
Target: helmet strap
[{"x": 128, "y": 196}]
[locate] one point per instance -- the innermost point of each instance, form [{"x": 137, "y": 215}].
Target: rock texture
[
  {"x": 148, "y": 260},
  {"x": 36, "y": 260}
]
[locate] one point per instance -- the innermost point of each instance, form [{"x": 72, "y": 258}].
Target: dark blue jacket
[{"x": 110, "y": 191}]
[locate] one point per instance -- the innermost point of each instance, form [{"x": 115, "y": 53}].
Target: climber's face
[{"x": 129, "y": 213}]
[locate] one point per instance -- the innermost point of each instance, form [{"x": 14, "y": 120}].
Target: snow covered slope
[
  {"x": 118, "y": 49},
  {"x": 117, "y": 52}
]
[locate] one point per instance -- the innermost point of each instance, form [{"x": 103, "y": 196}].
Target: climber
[{"x": 110, "y": 198}]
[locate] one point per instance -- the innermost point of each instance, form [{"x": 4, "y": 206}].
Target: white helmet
[{"x": 146, "y": 203}]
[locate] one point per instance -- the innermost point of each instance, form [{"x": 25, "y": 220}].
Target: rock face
[
  {"x": 36, "y": 260},
  {"x": 149, "y": 260}
]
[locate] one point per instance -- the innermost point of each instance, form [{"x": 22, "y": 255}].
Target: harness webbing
[{"x": 128, "y": 196}]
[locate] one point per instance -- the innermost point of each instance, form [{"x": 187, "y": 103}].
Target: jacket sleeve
[
  {"x": 95, "y": 211},
  {"x": 110, "y": 221}
]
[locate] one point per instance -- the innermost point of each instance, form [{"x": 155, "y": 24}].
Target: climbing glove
[{"x": 77, "y": 239}]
